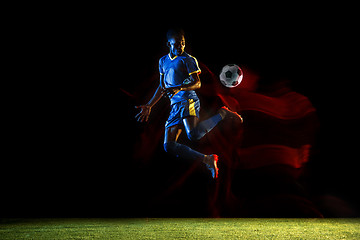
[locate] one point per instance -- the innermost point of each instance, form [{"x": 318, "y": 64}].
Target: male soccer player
[{"x": 179, "y": 77}]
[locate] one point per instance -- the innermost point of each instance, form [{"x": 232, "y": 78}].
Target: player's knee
[
  {"x": 193, "y": 135},
  {"x": 169, "y": 147}
]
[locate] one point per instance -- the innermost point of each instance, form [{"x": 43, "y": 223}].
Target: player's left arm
[{"x": 194, "y": 84}]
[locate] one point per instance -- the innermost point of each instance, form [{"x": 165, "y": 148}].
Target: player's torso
[
  {"x": 175, "y": 73},
  {"x": 174, "y": 70}
]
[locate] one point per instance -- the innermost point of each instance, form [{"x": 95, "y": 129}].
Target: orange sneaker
[
  {"x": 228, "y": 113},
  {"x": 211, "y": 164}
]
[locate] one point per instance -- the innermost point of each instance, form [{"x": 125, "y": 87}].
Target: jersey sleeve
[
  {"x": 192, "y": 65},
  {"x": 161, "y": 69}
]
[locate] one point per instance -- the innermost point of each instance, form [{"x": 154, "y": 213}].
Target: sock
[
  {"x": 182, "y": 151},
  {"x": 204, "y": 127}
]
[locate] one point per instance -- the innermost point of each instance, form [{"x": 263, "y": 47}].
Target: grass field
[{"x": 193, "y": 228}]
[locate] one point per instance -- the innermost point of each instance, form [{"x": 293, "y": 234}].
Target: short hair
[{"x": 174, "y": 32}]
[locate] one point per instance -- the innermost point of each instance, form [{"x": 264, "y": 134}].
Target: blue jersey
[{"x": 176, "y": 71}]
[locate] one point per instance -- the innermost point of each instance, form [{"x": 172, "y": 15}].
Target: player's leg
[
  {"x": 172, "y": 133},
  {"x": 179, "y": 150},
  {"x": 195, "y": 130},
  {"x": 176, "y": 149},
  {"x": 192, "y": 127}
]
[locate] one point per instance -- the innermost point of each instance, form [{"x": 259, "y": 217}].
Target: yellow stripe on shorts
[{"x": 192, "y": 107}]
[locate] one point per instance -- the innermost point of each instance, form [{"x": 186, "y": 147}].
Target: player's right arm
[{"x": 145, "y": 111}]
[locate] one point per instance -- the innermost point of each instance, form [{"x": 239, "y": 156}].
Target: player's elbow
[
  {"x": 198, "y": 85},
  {"x": 196, "y": 81}
]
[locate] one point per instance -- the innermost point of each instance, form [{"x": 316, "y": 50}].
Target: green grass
[{"x": 193, "y": 228}]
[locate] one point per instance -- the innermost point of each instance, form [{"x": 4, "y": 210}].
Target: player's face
[{"x": 177, "y": 45}]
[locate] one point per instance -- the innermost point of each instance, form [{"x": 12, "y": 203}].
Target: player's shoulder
[
  {"x": 189, "y": 58},
  {"x": 186, "y": 55},
  {"x": 163, "y": 58}
]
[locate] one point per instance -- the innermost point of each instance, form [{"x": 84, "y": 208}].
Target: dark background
[{"x": 73, "y": 132}]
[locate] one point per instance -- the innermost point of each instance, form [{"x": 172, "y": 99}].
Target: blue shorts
[{"x": 181, "y": 110}]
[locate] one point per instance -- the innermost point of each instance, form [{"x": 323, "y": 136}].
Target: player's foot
[
  {"x": 226, "y": 112},
  {"x": 211, "y": 164}
]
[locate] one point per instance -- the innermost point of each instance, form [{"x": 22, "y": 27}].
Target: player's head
[{"x": 176, "y": 41}]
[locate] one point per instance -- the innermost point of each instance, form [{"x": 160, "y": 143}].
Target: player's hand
[{"x": 144, "y": 114}]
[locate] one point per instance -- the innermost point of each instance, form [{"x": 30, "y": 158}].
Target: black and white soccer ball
[{"x": 231, "y": 75}]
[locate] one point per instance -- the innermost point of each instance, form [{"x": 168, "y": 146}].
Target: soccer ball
[{"x": 231, "y": 75}]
